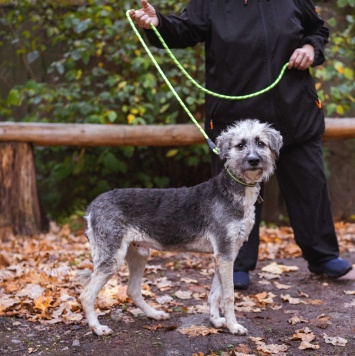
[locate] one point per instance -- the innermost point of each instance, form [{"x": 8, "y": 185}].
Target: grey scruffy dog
[{"x": 213, "y": 217}]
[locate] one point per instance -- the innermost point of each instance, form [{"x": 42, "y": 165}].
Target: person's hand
[
  {"x": 302, "y": 58},
  {"x": 145, "y": 16}
]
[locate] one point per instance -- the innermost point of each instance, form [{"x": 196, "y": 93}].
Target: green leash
[{"x": 210, "y": 143}]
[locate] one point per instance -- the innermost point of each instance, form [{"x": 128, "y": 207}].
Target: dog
[{"x": 213, "y": 217}]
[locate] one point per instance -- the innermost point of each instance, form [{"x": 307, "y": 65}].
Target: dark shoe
[
  {"x": 334, "y": 268},
  {"x": 241, "y": 280}
]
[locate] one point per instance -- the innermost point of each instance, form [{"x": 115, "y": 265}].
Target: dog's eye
[
  {"x": 260, "y": 144},
  {"x": 240, "y": 145}
]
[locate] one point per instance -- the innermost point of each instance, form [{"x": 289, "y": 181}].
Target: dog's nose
[{"x": 253, "y": 161}]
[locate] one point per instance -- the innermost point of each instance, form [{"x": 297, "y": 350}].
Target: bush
[
  {"x": 97, "y": 73},
  {"x": 81, "y": 63}
]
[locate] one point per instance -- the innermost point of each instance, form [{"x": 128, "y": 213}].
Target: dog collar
[{"x": 239, "y": 181}]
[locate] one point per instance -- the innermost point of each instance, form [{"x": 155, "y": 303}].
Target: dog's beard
[{"x": 253, "y": 175}]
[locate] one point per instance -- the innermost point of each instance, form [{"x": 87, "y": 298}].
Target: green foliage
[
  {"x": 336, "y": 84},
  {"x": 97, "y": 72},
  {"x": 83, "y": 64}
]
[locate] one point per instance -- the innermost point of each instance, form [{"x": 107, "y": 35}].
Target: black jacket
[{"x": 246, "y": 47}]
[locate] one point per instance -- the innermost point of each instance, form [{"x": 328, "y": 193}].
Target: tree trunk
[{"x": 19, "y": 202}]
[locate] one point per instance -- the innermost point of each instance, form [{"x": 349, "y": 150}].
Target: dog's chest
[{"x": 251, "y": 195}]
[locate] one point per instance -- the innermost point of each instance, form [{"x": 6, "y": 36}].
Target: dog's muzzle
[{"x": 253, "y": 161}]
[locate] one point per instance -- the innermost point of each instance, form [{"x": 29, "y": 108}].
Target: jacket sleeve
[
  {"x": 315, "y": 33},
  {"x": 186, "y": 30}
]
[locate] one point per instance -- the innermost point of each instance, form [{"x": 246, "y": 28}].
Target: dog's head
[{"x": 250, "y": 149}]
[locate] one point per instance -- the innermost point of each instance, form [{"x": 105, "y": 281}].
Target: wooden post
[{"x": 19, "y": 203}]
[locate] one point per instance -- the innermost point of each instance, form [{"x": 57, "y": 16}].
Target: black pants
[{"x": 301, "y": 178}]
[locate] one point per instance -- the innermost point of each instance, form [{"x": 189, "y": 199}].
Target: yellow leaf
[
  {"x": 121, "y": 85},
  {"x": 130, "y": 118},
  {"x": 43, "y": 303},
  {"x": 172, "y": 153},
  {"x": 340, "y": 69},
  {"x": 349, "y": 73},
  {"x": 78, "y": 74},
  {"x": 339, "y": 110}
]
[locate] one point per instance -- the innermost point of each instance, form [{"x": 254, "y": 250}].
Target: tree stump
[{"x": 19, "y": 200}]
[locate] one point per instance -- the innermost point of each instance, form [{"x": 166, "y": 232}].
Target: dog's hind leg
[
  {"x": 97, "y": 280},
  {"x": 136, "y": 258},
  {"x": 107, "y": 260},
  {"x": 224, "y": 268},
  {"x": 214, "y": 300}
]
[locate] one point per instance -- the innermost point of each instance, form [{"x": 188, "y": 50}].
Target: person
[{"x": 247, "y": 42}]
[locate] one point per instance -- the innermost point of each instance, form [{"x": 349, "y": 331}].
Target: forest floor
[{"x": 287, "y": 310}]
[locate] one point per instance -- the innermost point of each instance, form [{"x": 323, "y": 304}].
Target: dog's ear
[
  {"x": 224, "y": 141},
  {"x": 275, "y": 141}
]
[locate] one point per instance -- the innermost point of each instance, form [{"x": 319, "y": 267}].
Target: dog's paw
[
  {"x": 101, "y": 330},
  {"x": 237, "y": 329},
  {"x": 160, "y": 315},
  {"x": 218, "y": 323}
]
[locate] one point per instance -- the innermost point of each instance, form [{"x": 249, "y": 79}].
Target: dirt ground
[{"x": 296, "y": 309}]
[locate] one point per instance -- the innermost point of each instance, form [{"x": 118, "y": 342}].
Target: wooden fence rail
[
  {"x": 43, "y": 134},
  {"x": 19, "y": 200}
]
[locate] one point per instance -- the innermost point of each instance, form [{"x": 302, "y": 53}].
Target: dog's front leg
[{"x": 224, "y": 268}]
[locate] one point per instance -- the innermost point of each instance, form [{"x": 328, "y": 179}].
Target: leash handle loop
[{"x": 221, "y": 96}]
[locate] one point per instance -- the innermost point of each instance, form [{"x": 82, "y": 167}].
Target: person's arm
[
  {"x": 185, "y": 30},
  {"x": 316, "y": 36}
]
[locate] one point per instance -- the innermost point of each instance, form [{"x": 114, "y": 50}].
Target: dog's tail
[{"x": 83, "y": 277}]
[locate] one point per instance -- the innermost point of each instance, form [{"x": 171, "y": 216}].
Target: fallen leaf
[
  {"x": 306, "y": 336},
  {"x": 189, "y": 280},
  {"x": 269, "y": 349},
  {"x": 272, "y": 348},
  {"x": 71, "y": 318},
  {"x": 268, "y": 275},
  {"x": 43, "y": 303},
  {"x": 32, "y": 291},
  {"x": 202, "y": 309},
  {"x": 201, "y": 330},
  {"x": 276, "y": 268},
  {"x": 314, "y": 301},
  {"x": 164, "y": 299},
  {"x": 281, "y": 286},
  {"x": 7, "y": 302},
  {"x": 291, "y": 300},
  {"x": 305, "y": 345},
  {"x": 296, "y": 320},
  {"x": 302, "y": 294},
  {"x": 163, "y": 284},
  {"x": 183, "y": 294},
  {"x": 153, "y": 327},
  {"x": 335, "y": 340}
]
